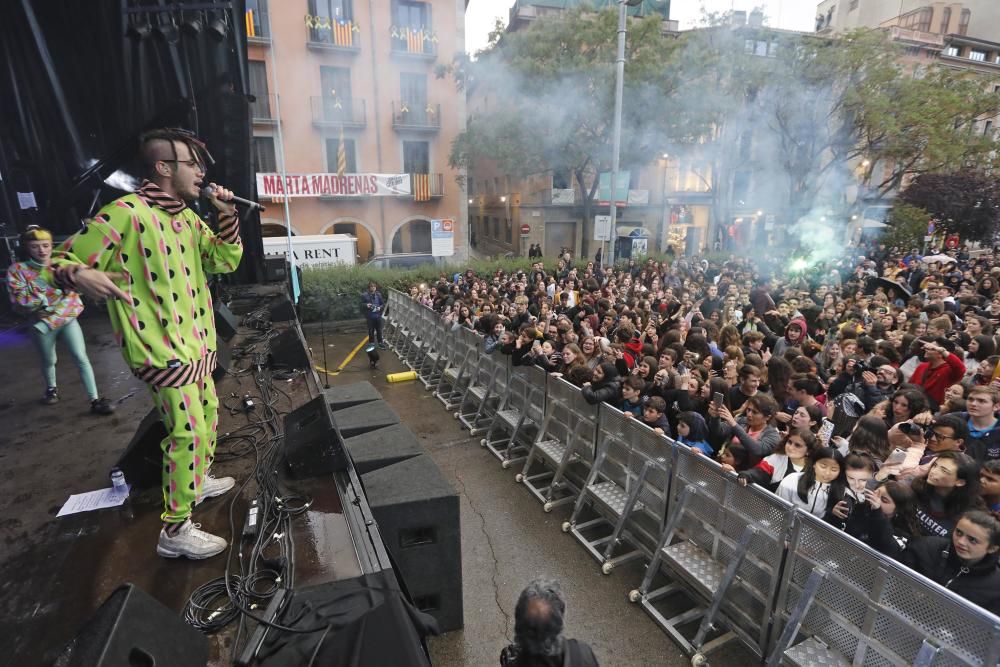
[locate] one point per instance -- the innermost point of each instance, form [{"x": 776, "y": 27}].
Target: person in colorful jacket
[
  {"x": 152, "y": 254},
  {"x": 33, "y": 291}
]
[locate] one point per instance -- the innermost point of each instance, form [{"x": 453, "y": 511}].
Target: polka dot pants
[{"x": 191, "y": 416}]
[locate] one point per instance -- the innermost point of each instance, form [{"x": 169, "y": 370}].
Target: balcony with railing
[
  {"x": 336, "y": 112},
  {"x": 416, "y": 116},
  {"x": 324, "y": 33},
  {"x": 263, "y": 110},
  {"x": 257, "y": 26},
  {"x": 419, "y": 44},
  {"x": 427, "y": 186}
]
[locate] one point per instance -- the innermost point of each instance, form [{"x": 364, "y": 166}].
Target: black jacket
[
  {"x": 608, "y": 391},
  {"x": 934, "y": 558}
]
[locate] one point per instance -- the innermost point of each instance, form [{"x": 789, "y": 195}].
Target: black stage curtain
[{"x": 76, "y": 93}]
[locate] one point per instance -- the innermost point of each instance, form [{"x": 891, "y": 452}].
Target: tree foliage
[
  {"x": 907, "y": 226},
  {"x": 553, "y": 84},
  {"x": 965, "y": 203}
]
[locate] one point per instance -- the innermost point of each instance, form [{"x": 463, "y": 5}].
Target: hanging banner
[
  {"x": 331, "y": 185},
  {"x": 442, "y": 238},
  {"x": 621, "y": 188}
]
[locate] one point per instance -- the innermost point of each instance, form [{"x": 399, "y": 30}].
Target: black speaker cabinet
[
  {"x": 312, "y": 446},
  {"x": 132, "y": 628},
  {"x": 275, "y": 269},
  {"x": 417, "y": 512},
  {"x": 359, "y": 419},
  {"x": 226, "y": 323},
  {"x": 349, "y": 395},
  {"x": 289, "y": 349},
  {"x": 142, "y": 460},
  {"x": 382, "y": 447},
  {"x": 223, "y": 358},
  {"x": 282, "y": 310}
]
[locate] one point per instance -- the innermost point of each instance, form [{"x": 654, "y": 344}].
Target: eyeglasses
[
  {"x": 194, "y": 164},
  {"x": 939, "y": 436}
]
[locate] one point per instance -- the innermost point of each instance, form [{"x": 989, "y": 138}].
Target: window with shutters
[
  {"x": 416, "y": 157},
  {"x": 261, "y": 106},
  {"x": 264, "y": 160}
]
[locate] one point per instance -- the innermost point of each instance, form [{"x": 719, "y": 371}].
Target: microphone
[{"x": 207, "y": 192}]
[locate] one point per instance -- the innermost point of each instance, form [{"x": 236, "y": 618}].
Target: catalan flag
[
  {"x": 343, "y": 35},
  {"x": 421, "y": 187},
  {"x": 249, "y": 21},
  {"x": 415, "y": 41},
  {"x": 341, "y": 155}
]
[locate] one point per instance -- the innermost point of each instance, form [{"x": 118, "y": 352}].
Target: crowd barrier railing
[
  {"x": 629, "y": 477},
  {"x": 843, "y": 603},
  {"x": 519, "y": 416},
  {"x": 788, "y": 586},
  {"x": 567, "y": 436}
]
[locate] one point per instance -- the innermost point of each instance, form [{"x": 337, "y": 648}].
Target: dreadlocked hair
[{"x": 170, "y": 135}]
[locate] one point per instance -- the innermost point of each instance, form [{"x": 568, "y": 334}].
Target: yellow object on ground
[
  {"x": 401, "y": 377},
  {"x": 357, "y": 347}
]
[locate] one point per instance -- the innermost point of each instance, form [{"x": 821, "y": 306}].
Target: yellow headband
[{"x": 35, "y": 233}]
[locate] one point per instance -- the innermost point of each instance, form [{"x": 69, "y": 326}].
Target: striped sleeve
[{"x": 229, "y": 228}]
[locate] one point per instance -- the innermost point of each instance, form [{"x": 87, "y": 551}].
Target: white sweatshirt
[{"x": 818, "y": 494}]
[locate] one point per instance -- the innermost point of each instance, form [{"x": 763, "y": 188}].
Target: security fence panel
[
  {"x": 519, "y": 416},
  {"x": 842, "y": 602},
  {"x": 567, "y": 437}
]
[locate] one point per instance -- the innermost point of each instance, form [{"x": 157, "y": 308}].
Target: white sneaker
[
  {"x": 215, "y": 486},
  {"x": 190, "y": 542}
]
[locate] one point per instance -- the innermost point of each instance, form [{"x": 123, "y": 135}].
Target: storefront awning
[{"x": 634, "y": 231}]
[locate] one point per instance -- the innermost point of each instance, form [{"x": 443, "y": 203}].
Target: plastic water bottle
[{"x": 118, "y": 482}]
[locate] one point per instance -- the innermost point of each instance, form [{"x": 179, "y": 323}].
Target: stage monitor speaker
[
  {"x": 142, "y": 460},
  {"x": 226, "y": 323},
  {"x": 223, "y": 358},
  {"x": 282, "y": 310},
  {"x": 349, "y": 395},
  {"x": 289, "y": 349},
  {"x": 417, "y": 512},
  {"x": 132, "y": 628},
  {"x": 312, "y": 446},
  {"x": 382, "y": 447},
  {"x": 275, "y": 269},
  {"x": 366, "y": 417}
]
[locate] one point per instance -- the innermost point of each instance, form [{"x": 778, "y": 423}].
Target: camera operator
[{"x": 871, "y": 381}]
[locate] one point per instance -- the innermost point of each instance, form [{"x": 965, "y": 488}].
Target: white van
[{"x": 317, "y": 250}]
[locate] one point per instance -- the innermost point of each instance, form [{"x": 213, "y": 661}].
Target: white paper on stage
[{"x": 92, "y": 500}]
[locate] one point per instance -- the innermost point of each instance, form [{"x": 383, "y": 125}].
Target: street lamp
[{"x": 617, "y": 133}]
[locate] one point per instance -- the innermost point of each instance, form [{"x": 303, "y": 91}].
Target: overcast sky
[{"x": 789, "y": 14}]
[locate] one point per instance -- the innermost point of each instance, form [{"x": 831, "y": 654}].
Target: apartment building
[
  {"x": 352, "y": 129},
  {"x": 979, "y": 19},
  {"x": 507, "y": 214}
]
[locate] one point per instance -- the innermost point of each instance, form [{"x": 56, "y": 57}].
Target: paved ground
[{"x": 507, "y": 540}]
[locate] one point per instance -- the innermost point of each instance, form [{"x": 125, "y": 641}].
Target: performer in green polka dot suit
[{"x": 152, "y": 254}]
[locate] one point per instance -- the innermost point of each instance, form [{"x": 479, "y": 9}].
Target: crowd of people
[{"x": 861, "y": 390}]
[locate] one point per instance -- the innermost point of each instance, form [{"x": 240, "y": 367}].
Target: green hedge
[{"x": 335, "y": 292}]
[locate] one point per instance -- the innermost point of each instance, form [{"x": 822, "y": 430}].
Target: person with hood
[
  {"x": 964, "y": 563},
  {"x": 604, "y": 387},
  {"x": 692, "y": 431},
  {"x": 795, "y": 334}
]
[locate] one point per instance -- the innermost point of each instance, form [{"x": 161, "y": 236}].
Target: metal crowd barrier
[
  {"x": 844, "y": 603},
  {"x": 568, "y": 435},
  {"x": 629, "y": 477},
  {"x": 519, "y": 416},
  {"x": 791, "y": 588},
  {"x": 722, "y": 546},
  {"x": 479, "y": 404},
  {"x": 456, "y": 377}
]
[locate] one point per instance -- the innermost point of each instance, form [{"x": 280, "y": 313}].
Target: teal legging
[{"x": 72, "y": 335}]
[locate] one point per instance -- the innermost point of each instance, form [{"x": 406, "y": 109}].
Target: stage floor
[{"x": 56, "y": 571}]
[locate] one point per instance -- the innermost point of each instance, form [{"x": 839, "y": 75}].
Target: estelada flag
[{"x": 342, "y": 33}]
